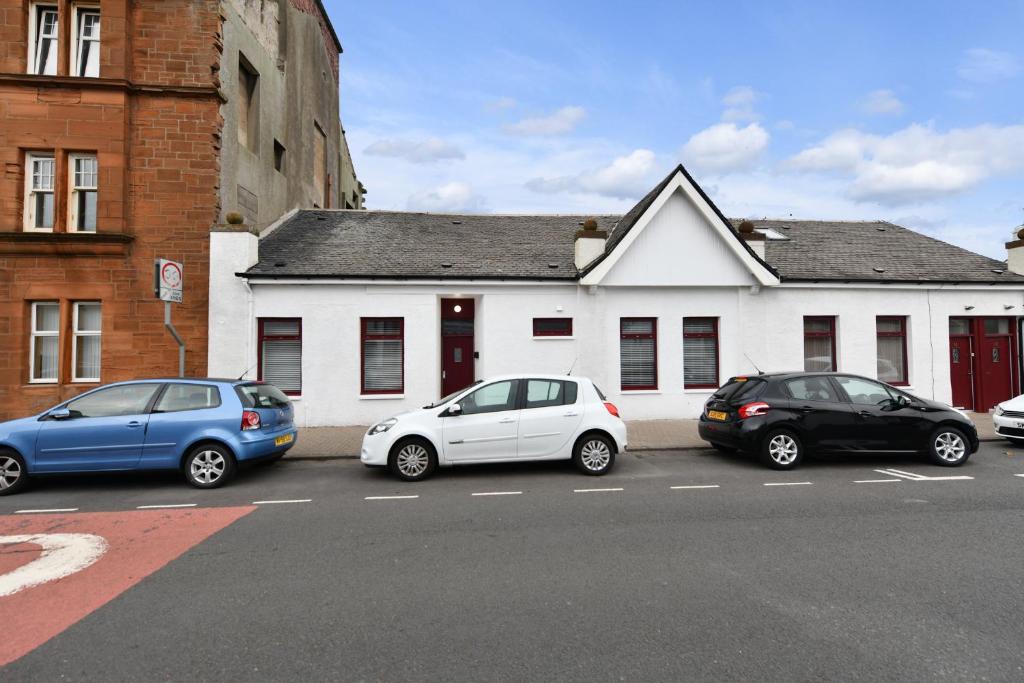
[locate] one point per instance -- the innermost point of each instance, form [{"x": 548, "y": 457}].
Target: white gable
[{"x": 679, "y": 247}]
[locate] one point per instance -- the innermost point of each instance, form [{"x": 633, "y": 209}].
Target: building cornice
[{"x": 120, "y": 84}]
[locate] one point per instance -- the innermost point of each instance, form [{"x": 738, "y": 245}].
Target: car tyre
[
  {"x": 782, "y": 450},
  {"x": 412, "y": 459},
  {"x": 13, "y": 474},
  {"x": 594, "y": 455},
  {"x": 948, "y": 447},
  {"x": 209, "y": 466}
]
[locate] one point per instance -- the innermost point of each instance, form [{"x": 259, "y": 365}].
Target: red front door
[
  {"x": 995, "y": 364},
  {"x": 457, "y": 366},
  {"x": 961, "y": 373}
]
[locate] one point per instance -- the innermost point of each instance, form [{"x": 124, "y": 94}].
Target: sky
[{"x": 911, "y": 112}]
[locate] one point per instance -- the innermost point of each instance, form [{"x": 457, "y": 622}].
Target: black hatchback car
[{"x": 780, "y": 416}]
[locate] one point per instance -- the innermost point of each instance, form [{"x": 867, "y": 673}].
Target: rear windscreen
[
  {"x": 261, "y": 396},
  {"x": 739, "y": 388}
]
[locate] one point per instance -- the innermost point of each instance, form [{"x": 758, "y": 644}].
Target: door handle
[
  {"x": 134, "y": 423},
  {"x": 570, "y": 415},
  {"x": 507, "y": 420},
  {"x": 864, "y": 413},
  {"x": 806, "y": 409}
]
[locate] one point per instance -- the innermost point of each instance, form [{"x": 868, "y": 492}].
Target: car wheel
[
  {"x": 13, "y": 475},
  {"x": 722, "y": 448},
  {"x": 594, "y": 455},
  {"x": 782, "y": 450},
  {"x": 209, "y": 466},
  {"x": 948, "y": 447},
  {"x": 412, "y": 460}
]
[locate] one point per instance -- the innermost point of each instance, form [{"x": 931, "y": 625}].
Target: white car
[
  {"x": 503, "y": 419},
  {"x": 1008, "y": 419}
]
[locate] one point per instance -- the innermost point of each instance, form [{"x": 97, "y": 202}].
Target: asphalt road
[{"x": 762, "y": 577}]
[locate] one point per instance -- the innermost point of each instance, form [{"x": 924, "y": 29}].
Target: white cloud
[
  {"x": 882, "y": 102},
  {"x": 626, "y": 177},
  {"x": 725, "y": 147},
  {"x": 416, "y": 151},
  {"x": 500, "y": 104},
  {"x": 739, "y": 104},
  {"x": 916, "y": 163},
  {"x": 454, "y": 196},
  {"x": 980, "y": 65},
  {"x": 559, "y": 123}
]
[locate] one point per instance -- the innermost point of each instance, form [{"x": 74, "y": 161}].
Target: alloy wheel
[
  {"x": 413, "y": 460},
  {"x": 783, "y": 449},
  {"x": 950, "y": 447},
  {"x": 10, "y": 471},
  {"x": 208, "y": 467},
  {"x": 595, "y": 455}
]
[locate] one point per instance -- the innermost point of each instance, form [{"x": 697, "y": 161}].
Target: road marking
[
  {"x": 788, "y": 483},
  {"x": 157, "y": 507},
  {"x": 959, "y": 477},
  {"x": 921, "y": 477},
  {"x": 498, "y": 493},
  {"x": 62, "y": 555},
  {"x": 390, "y": 497},
  {"x": 595, "y": 490},
  {"x": 30, "y": 512},
  {"x": 695, "y": 486},
  {"x": 278, "y": 502},
  {"x": 874, "y": 481},
  {"x": 1019, "y": 475}
]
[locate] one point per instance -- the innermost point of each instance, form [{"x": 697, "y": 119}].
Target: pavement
[
  {"x": 644, "y": 435},
  {"x": 686, "y": 565}
]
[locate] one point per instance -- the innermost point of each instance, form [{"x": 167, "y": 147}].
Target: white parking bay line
[
  {"x": 36, "y": 512},
  {"x": 157, "y": 507},
  {"x": 595, "y": 490},
  {"x": 874, "y": 481},
  {"x": 279, "y": 502},
  {"x": 694, "y": 486},
  {"x": 390, "y": 497},
  {"x": 498, "y": 493},
  {"x": 900, "y": 473},
  {"x": 1019, "y": 475},
  {"x": 960, "y": 477},
  {"x": 788, "y": 483}
]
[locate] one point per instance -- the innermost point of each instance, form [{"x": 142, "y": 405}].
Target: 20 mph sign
[{"x": 169, "y": 280}]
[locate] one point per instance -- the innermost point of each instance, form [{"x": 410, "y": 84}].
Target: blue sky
[{"x": 911, "y": 112}]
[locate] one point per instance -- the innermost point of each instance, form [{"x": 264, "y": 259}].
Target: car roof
[
  {"x": 792, "y": 374},
  {"x": 531, "y": 375},
  {"x": 183, "y": 380}
]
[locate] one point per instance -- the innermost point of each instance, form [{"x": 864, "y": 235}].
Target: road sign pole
[{"x": 174, "y": 333}]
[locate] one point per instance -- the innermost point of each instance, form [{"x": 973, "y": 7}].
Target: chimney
[
  {"x": 754, "y": 239},
  {"x": 1015, "y": 252},
  {"x": 589, "y": 244}
]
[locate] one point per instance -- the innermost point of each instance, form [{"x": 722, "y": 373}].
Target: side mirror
[
  {"x": 454, "y": 409},
  {"x": 902, "y": 401},
  {"x": 59, "y": 413}
]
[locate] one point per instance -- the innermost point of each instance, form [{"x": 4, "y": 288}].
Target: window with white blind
[
  {"x": 87, "y": 330},
  {"x": 382, "y": 341},
  {"x": 44, "y": 342},
  {"x": 43, "y": 26},
  {"x": 700, "y": 353},
  {"x": 39, "y": 198},
  {"x": 280, "y": 353},
  {"x": 891, "y": 332},
  {"x": 84, "y": 189},
  {"x": 85, "y": 41},
  {"x": 638, "y": 353}
]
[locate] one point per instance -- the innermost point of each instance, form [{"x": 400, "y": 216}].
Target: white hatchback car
[
  {"x": 1008, "y": 419},
  {"x": 503, "y": 419}
]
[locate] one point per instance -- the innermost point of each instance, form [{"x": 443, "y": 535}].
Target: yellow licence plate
[
  {"x": 282, "y": 440},
  {"x": 718, "y": 415}
]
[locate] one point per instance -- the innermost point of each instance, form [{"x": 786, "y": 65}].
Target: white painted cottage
[{"x": 363, "y": 314}]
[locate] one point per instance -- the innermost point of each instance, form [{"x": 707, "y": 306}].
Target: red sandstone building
[{"x": 127, "y": 129}]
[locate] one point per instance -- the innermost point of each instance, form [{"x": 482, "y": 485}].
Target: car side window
[
  {"x": 124, "y": 399},
  {"x": 811, "y": 389},
  {"x": 542, "y": 393},
  {"x": 491, "y": 398},
  {"x": 179, "y": 397},
  {"x": 864, "y": 391}
]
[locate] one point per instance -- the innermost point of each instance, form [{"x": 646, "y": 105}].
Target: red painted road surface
[{"x": 138, "y": 544}]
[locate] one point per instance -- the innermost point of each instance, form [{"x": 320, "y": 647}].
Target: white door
[
  {"x": 487, "y": 427},
  {"x": 551, "y": 414}
]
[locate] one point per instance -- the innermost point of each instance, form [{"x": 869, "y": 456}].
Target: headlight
[
  {"x": 382, "y": 427},
  {"x": 999, "y": 410}
]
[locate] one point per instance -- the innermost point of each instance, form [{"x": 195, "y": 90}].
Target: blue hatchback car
[{"x": 204, "y": 427}]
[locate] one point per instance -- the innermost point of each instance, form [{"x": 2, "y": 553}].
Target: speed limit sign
[{"x": 169, "y": 280}]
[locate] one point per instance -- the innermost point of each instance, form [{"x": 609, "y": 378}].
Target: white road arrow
[{"x": 63, "y": 555}]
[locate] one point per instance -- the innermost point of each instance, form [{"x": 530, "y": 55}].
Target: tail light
[
  {"x": 753, "y": 409},
  {"x": 611, "y": 408},
  {"x": 250, "y": 420}
]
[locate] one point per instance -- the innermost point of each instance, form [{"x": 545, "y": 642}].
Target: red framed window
[
  {"x": 638, "y": 353},
  {"x": 700, "y": 353},
  {"x": 382, "y": 344},
  {"x": 892, "y": 349},
  {"x": 280, "y": 354},
  {"x": 820, "y": 344},
  {"x": 552, "y": 327}
]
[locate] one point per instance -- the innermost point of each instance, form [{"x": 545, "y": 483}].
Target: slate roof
[{"x": 358, "y": 244}]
